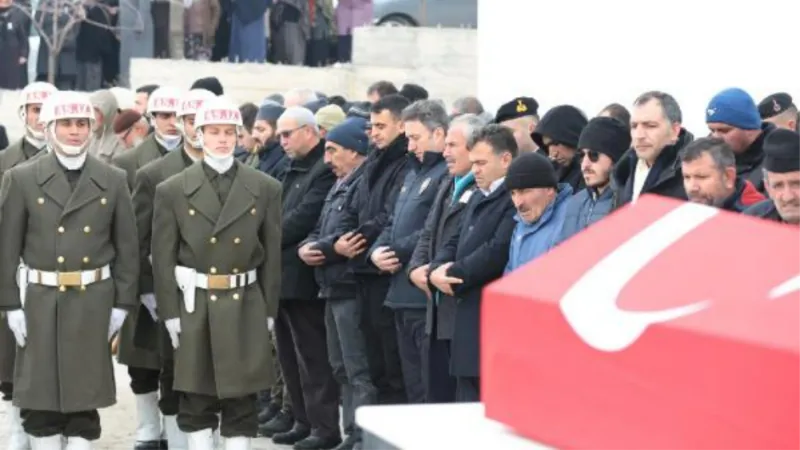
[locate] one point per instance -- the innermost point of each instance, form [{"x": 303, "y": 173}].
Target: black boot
[
  {"x": 350, "y": 441},
  {"x": 315, "y": 442},
  {"x": 296, "y": 434},
  {"x": 268, "y": 412},
  {"x": 147, "y": 445},
  {"x": 281, "y": 423}
]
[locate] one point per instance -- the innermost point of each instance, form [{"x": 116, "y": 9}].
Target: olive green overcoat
[
  {"x": 131, "y": 161},
  {"x": 224, "y": 346},
  {"x": 66, "y": 363},
  {"x": 16, "y": 154}
]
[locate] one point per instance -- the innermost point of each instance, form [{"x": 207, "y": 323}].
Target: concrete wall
[{"x": 442, "y": 60}]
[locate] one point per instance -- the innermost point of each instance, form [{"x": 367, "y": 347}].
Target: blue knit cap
[
  {"x": 734, "y": 107},
  {"x": 350, "y": 134}
]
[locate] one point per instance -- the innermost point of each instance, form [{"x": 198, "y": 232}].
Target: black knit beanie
[
  {"x": 562, "y": 124},
  {"x": 607, "y": 136},
  {"x": 210, "y": 84},
  {"x": 531, "y": 170}
]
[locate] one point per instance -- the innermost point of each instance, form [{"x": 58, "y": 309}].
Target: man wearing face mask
[
  {"x": 146, "y": 333},
  {"x": 217, "y": 277},
  {"x": 269, "y": 156},
  {"x": 162, "y": 105},
  {"x": 29, "y": 147},
  {"x": 106, "y": 143},
  {"x": 68, "y": 217},
  {"x": 144, "y": 365}
]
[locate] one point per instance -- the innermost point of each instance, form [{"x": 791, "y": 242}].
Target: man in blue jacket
[
  {"x": 541, "y": 204},
  {"x": 602, "y": 143},
  {"x": 425, "y": 124}
]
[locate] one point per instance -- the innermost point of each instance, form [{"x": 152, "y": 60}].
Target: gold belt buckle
[
  {"x": 69, "y": 279},
  {"x": 219, "y": 282}
]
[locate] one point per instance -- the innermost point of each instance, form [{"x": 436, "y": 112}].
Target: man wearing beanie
[
  {"x": 782, "y": 179},
  {"x": 602, "y": 143},
  {"x": 345, "y": 152},
  {"x": 478, "y": 253},
  {"x": 328, "y": 117},
  {"x": 557, "y": 135},
  {"x": 653, "y": 166},
  {"x": 709, "y": 176},
  {"x": 733, "y": 116},
  {"x": 269, "y": 156},
  {"x": 425, "y": 124},
  {"x": 131, "y": 128},
  {"x": 541, "y": 203},
  {"x": 779, "y": 109}
]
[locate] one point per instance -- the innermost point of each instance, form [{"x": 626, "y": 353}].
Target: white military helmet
[
  {"x": 66, "y": 105},
  {"x": 34, "y": 94},
  {"x": 165, "y": 99},
  {"x": 193, "y": 100},
  {"x": 126, "y": 99},
  {"x": 218, "y": 111}
]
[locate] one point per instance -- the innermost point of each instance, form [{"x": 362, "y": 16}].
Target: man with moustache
[
  {"x": 165, "y": 400},
  {"x": 31, "y": 146},
  {"x": 781, "y": 178},
  {"x": 131, "y": 128},
  {"x": 478, "y": 253},
  {"x": 68, "y": 217},
  {"x": 709, "y": 176},
  {"x": 541, "y": 204},
  {"x": 441, "y": 224},
  {"x": 557, "y": 134},
  {"x": 269, "y": 157},
  {"x": 216, "y": 268},
  {"x": 602, "y": 143},
  {"x": 345, "y": 151}
]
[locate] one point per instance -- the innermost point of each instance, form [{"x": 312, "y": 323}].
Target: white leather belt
[
  {"x": 68, "y": 279},
  {"x": 189, "y": 279}
]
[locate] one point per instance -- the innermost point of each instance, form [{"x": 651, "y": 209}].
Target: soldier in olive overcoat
[
  {"x": 26, "y": 149},
  {"x": 147, "y": 333},
  {"x": 69, "y": 218},
  {"x": 216, "y": 267},
  {"x": 144, "y": 365}
]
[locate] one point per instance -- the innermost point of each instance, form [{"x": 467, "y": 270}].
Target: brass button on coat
[
  {"x": 86, "y": 260},
  {"x": 213, "y": 240},
  {"x": 62, "y": 289},
  {"x": 213, "y": 298},
  {"x": 103, "y": 201},
  {"x": 213, "y": 270},
  {"x": 235, "y": 270},
  {"x": 87, "y": 229},
  {"x": 191, "y": 212},
  {"x": 60, "y": 260},
  {"x": 61, "y": 230},
  {"x": 253, "y": 211},
  {"x": 236, "y": 296},
  {"x": 237, "y": 240},
  {"x": 40, "y": 200}
]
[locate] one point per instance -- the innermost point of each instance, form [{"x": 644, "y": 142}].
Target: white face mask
[
  {"x": 220, "y": 164},
  {"x": 72, "y": 162},
  {"x": 36, "y": 142},
  {"x": 169, "y": 142},
  {"x": 64, "y": 149}
]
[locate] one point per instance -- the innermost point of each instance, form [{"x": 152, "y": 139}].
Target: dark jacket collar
[{"x": 306, "y": 162}]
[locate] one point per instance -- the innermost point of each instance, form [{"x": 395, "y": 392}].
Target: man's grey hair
[
  {"x": 300, "y": 96},
  {"x": 670, "y": 107},
  {"x": 303, "y": 117},
  {"x": 430, "y": 113},
  {"x": 468, "y": 105},
  {"x": 720, "y": 152},
  {"x": 470, "y": 125}
]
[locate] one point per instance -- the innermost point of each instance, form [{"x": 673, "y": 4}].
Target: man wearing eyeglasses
[
  {"x": 602, "y": 143},
  {"x": 557, "y": 134}
]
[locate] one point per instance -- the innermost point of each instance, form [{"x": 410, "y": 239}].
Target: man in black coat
[
  {"x": 478, "y": 253},
  {"x": 368, "y": 213},
  {"x": 300, "y": 323},
  {"x": 268, "y": 157},
  {"x": 442, "y": 223}
]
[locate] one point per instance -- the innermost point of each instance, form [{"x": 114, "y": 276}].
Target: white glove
[
  {"x": 174, "y": 329},
  {"x": 270, "y": 324},
  {"x": 149, "y": 302},
  {"x": 18, "y": 326},
  {"x": 117, "y": 319}
]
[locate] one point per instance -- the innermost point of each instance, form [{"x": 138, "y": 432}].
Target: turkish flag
[{"x": 666, "y": 325}]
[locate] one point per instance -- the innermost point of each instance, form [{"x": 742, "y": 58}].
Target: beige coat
[
  {"x": 224, "y": 344},
  {"x": 66, "y": 363},
  {"x": 202, "y": 18}
]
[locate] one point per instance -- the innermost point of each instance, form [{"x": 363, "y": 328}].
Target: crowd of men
[{"x": 261, "y": 266}]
